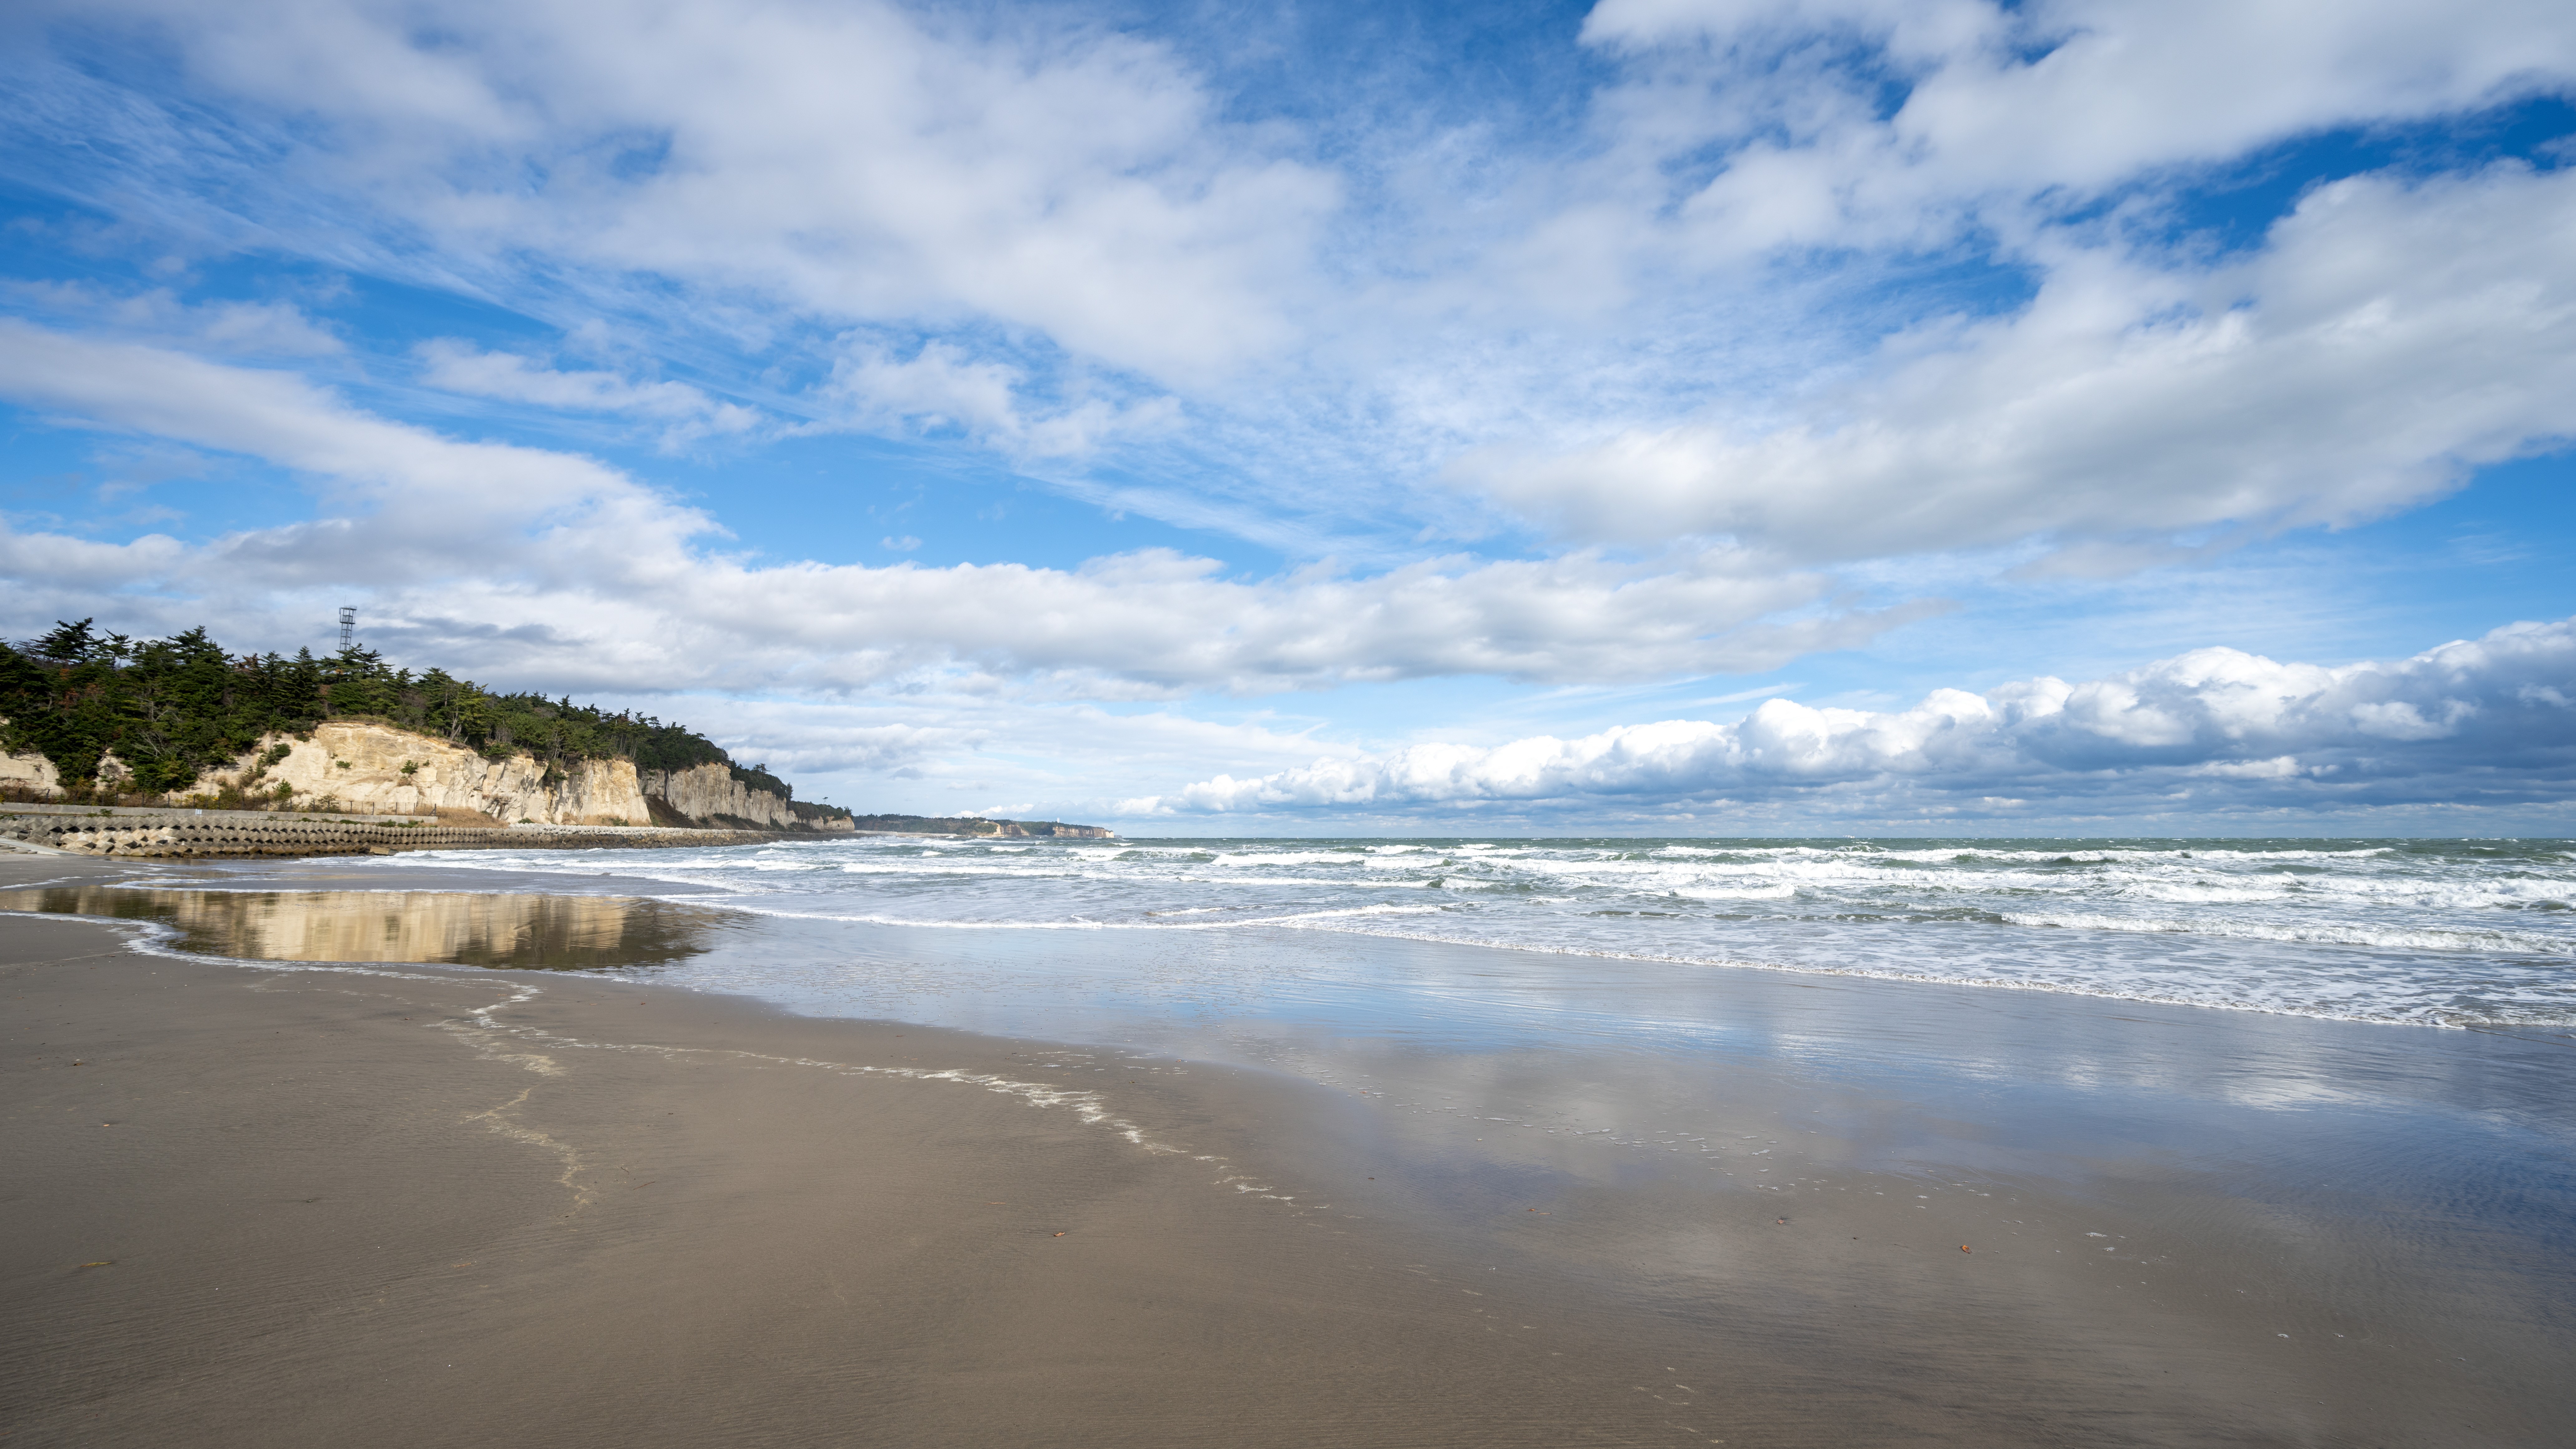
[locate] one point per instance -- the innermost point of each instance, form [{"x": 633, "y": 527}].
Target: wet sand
[{"x": 428, "y": 1205}]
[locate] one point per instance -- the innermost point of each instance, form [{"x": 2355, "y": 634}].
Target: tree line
[{"x": 170, "y": 709}]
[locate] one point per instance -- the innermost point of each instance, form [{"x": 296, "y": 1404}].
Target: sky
[{"x": 1708, "y": 417}]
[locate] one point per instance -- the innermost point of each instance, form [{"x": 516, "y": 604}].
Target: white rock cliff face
[
  {"x": 362, "y": 766},
  {"x": 33, "y": 771},
  {"x": 703, "y": 792}
]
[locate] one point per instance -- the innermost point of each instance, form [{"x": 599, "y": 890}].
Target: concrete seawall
[{"x": 133, "y": 834}]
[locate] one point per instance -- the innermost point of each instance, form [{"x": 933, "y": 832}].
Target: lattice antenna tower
[{"x": 348, "y": 625}]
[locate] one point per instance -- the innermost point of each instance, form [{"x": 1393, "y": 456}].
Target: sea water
[{"x": 2418, "y": 932}]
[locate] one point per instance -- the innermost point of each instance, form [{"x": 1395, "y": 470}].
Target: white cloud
[
  {"x": 405, "y": 504},
  {"x": 941, "y": 388},
  {"x": 2077, "y": 94},
  {"x": 2386, "y": 340},
  {"x": 935, "y": 388},
  {"x": 687, "y": 412},
  {"x": 931, "y": 750},
  {"x": 281, "y": 417},
  {"x": 853, "y": 160},
  {"x": 573, "y": 569},
  {"x": 255, "y": 329},
  {"x": 1033, "y": 235},
  {"x": 1067, "y": 232},
  {"x": 2211, "y": 730},
  {"x": 1141, "y": 625},
  {"x": 2381, "y": 343}
]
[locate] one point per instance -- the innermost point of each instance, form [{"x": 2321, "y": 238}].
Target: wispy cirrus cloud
[
  {"x": 263, "y": 329},
  {"x": 683, "y": 412}
]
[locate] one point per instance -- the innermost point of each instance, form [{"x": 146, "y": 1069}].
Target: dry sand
[{"x": 436, "y": 1206}]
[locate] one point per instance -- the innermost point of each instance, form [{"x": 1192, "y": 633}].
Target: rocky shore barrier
[{"x": 132, "y": 834}]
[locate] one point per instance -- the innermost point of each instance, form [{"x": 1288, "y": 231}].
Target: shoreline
[
  {"x": 822, "y": 1249},
  {"x": 181, "y": 834},
  {"x": 184, "y": 833}
]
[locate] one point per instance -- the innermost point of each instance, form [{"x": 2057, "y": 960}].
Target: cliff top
[{"x": 171, "y": 709}]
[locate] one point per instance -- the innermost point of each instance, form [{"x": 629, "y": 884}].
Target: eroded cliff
[
  {"x": 366, "y": 766},
  {"x": 709, "y": 794},
  {"x": 32, "y": 772},
  {"x": 373, "y": 767}
]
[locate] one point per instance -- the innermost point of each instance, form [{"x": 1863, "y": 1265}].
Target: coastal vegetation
[{"x": 117, "y": 715}]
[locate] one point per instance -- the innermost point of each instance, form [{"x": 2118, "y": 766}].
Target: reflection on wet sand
[{"x": 527, "y": 932}]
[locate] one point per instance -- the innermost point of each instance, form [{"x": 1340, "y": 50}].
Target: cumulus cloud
[{"x": 2489, "y": 721}]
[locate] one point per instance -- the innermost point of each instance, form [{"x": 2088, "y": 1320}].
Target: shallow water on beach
[
  {"x": 2447, "y": 1158},
  {"x": 523, "y": 932},
  {"x": 2474, "y": 932},
  {"x": 1370, "y": 964}
]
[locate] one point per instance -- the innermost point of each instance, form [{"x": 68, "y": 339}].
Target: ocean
[{"x": 2440, "y": 933}]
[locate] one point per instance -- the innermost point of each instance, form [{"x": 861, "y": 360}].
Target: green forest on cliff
[{"x": 170, "y": 709}]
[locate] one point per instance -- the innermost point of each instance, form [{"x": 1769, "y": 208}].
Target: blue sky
[{"x": 1714, "y": 415}]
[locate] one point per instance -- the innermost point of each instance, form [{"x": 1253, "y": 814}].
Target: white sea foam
[
  {"x": 2373, "y": 930},
  {"x": 2379, "y": 937}
]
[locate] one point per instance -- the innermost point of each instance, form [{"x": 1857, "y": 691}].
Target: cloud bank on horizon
[
  {"x": 2215, "y": 731},
  {"x": 1042, "y": 406}
]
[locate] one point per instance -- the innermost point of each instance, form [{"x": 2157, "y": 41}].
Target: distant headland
[
  {"x": 101, "y": 719},
  {"x": 977, "y": 826}
]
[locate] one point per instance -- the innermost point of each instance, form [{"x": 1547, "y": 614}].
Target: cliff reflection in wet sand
[{"x": 524, "y": 932}]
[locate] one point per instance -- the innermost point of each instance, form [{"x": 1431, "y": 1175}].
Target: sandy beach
[{"x": 426, "y": 1205}]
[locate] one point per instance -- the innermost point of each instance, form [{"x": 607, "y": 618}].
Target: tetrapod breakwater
[{"x": 130, "y": 833}]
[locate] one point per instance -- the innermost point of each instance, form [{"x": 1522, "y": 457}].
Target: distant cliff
[
  {"x": 719, "y": 795},
  {"x": 366, "y": 767},
  {"x": 373, "y": 768},
  {"x": 98, "y": 717},
  {"x": 973, "y": 825}
]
